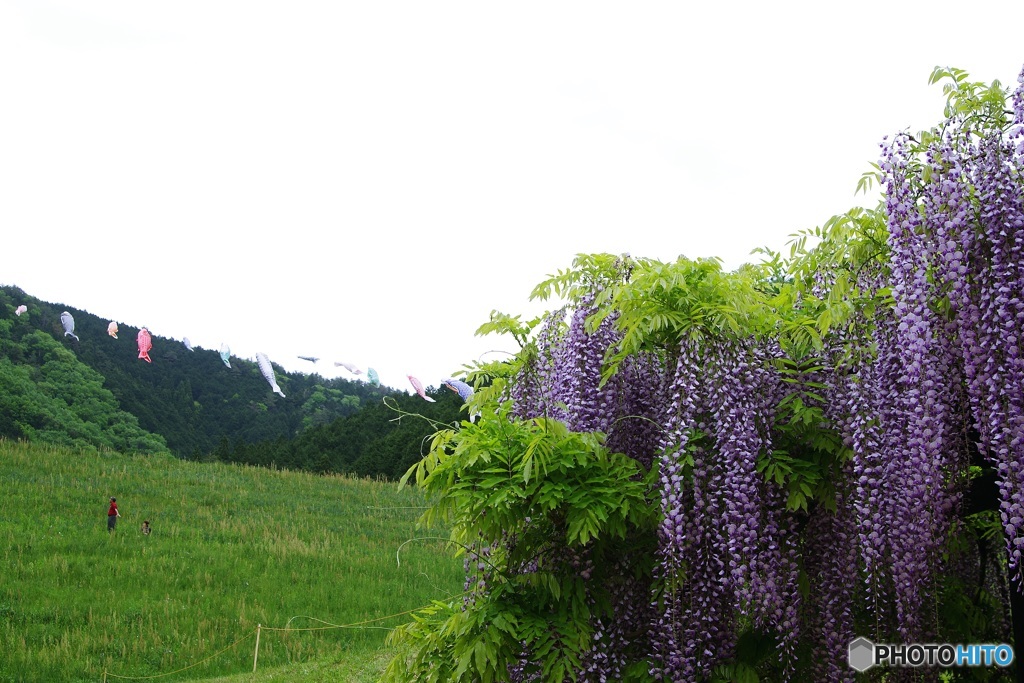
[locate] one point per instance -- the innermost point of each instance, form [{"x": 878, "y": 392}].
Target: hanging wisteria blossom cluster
[{"x": 808, "y": 432}]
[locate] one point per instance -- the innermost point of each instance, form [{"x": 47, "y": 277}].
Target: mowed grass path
[{"x": 232, "y": 547}]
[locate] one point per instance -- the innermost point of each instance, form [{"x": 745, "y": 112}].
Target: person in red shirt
[{"x": 112, "y": 515}]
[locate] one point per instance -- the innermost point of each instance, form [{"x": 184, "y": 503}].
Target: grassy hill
[{"x": 232, "y": 547}]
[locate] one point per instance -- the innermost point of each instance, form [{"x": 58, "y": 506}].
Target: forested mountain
[{"x": 89, "y": 391}]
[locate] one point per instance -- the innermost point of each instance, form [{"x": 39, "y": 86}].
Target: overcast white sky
[{"x": 366, "y": 181}]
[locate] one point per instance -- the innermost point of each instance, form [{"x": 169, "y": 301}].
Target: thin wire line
[{"x": 171, "y": 673}]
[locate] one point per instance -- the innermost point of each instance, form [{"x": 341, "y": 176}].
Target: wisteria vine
[{"x": 810, "y": 437}]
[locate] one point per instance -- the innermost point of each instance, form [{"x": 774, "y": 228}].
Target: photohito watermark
[{"x": 864, "y": 654}]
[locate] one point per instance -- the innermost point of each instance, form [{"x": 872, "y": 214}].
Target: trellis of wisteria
[{"x": 812, "y": 423}]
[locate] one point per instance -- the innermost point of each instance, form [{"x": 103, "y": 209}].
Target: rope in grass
[
  {"x": 171, "y": 673},
  {"x": 329, "y": 626},
  {"x": 357, "y": 624}
]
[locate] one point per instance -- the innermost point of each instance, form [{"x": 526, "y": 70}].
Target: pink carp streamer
[
  {"x": 145, "y": 344},
  {"x": 418, "y": 386}
]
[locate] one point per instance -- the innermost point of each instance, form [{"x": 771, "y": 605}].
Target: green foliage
[
  {"x": 827, "y": 263},
  {"x": 557, "y": 493},
  {"x": 61, "y": 401},
  {"x": 323, "y": 405},
  {"x": 502, "y": 323},
  {"x": 663, "y": 303},
  {"x": 809, "y": 451},
  {"x": 533, "y": 468},
  {"x": 382, "y": 439},
  {"x": 490, "y": 378},
  {"x": 966, "y": 99},
  {"x": 655, "y": 304},
  {"x": 753, "y": 651}
]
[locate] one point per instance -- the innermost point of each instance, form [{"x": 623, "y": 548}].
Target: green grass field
[{"x": 232, "y": 547}]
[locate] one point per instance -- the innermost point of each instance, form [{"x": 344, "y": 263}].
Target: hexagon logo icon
[{"x": 862, "y": 654}]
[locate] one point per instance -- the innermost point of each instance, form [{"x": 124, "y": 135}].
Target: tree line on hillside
[
  {"x": 94, "y": 392},
  {"x": 381, "y": 440}
]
